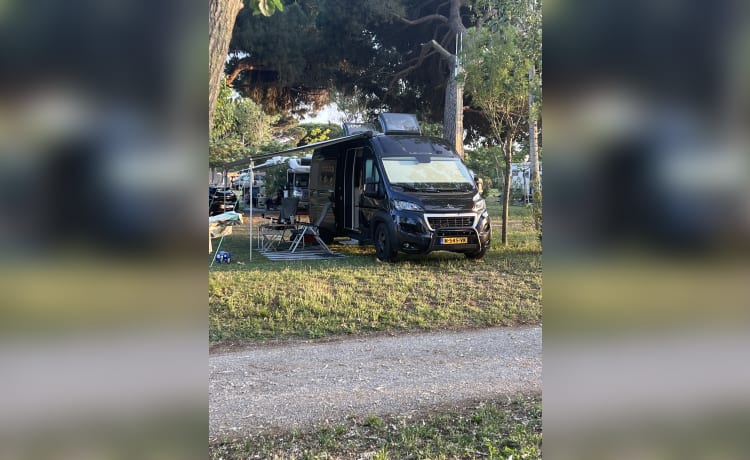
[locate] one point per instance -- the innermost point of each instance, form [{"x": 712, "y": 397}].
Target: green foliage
[
  {"x": 223, "y": 116},
  {"x": 266, "y": 7},
  {"x": 273, "y": 146},
  {"x": 224, "y": 150},
  {"x": 429, "y": 128},
  {"x": 275, "y": 179},
  {"x": 496, "y": 75},
  {"x": 317, "y": 132},
  {"x": 484, "y": 162},
  {"x": 313, "y": 41},
  {"x": 354, "y": 105},
  {"x": 497, "y": 59},
  {"x": 499, "y": 63},
  {"x": 240, "y": 126},
  {"x": 287, "y": 128},
  {"x": 316, "y": 135},
  {"x": 354, "y": 47}
]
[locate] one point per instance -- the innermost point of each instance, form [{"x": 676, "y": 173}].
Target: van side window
[
  {"x": 327, "y": 173},
  {"x": 371, "y": 171}
]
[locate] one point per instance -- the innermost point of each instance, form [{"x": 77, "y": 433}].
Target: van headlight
[
  {"x": 401, "y": 205},
  {"x": 479, "y": 203}
]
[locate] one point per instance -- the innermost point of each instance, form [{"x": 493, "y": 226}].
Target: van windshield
[{"x": 428, "y": 173}]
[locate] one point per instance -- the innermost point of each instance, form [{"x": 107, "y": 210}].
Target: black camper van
[{"x": 399, "y": 190}]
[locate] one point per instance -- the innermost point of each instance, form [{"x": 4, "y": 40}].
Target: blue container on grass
[{"x": 223, "y": 257}]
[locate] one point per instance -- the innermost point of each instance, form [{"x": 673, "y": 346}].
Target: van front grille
[{"x": 451, "y": 222}]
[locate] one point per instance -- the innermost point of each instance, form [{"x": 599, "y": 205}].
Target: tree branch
[
  {"x": 422, "y": 5},
  {"x": 423, "y": 19},
  {"x": 443, "y": 52},
  {"x": 242, "y": 64},
  {"x": 445, "y": 38},
  {"x": 489, "y": 14},
  {"x": 423, "y": 54}
]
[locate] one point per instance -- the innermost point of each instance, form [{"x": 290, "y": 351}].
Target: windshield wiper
[
  {"x": 458, "y": 188},
  {"x": 406, "y": 187}
]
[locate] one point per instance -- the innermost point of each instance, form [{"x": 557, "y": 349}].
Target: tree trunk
[
  {"x": 453, "y": 115},
  {"x": 497, "y": 169},
  {"x": 242, "y": 64},
  {"x": 533, "y": 152},
  {"x": 507, "y": 152},
  {"x": 221, "y": 17},
  {"x": 454, "y": 91}
]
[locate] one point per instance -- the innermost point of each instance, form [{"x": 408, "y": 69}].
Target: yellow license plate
[{"x": 461, "y": 240}]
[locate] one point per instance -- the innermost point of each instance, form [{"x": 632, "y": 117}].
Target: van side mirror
[
  {"x": 372, "y": 188},
  {"x": 479, "y": 183}
]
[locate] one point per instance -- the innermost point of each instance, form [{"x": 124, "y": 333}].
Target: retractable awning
[{"x": 316, "y": 145}]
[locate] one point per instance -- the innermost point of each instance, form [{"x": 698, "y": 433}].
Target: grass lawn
[
  {"x": 498, "y": 429},
  {"x": 259, "y": 299}
]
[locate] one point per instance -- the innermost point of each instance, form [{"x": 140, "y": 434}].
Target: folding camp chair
[
  {"x": 274, "y": 230},
  {"x": 311, "y": 230}
]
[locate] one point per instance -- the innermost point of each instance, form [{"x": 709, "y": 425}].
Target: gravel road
[{"x": 296, "y": 385}]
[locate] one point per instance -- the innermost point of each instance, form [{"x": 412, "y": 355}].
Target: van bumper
[{"x": 415, "y": 237}]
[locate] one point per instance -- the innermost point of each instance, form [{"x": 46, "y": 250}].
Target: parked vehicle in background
[
  {"x": 253, "y": 192},
  {"x": 221, "y": 199},
  {"x": 520, "y": 182},
  {"x": 237, "y": 182},
  {"x": 298, "y": 180},
  {"x": 232, "y": 178}
]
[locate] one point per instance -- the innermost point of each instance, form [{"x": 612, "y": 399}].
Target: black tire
[
  {"x": 478, "y": 254},
  {"x": 384, "y": 249}
]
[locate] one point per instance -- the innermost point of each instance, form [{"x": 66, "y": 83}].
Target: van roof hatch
[
  {"x": 399, "y": 123},
  {"x": 354, "y": 128}
]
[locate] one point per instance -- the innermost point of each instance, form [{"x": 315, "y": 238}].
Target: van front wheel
[
  {"x": 478, "y": 254},
  {"x": 384, "y": 249}
]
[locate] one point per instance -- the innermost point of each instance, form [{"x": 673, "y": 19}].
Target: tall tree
[
  {"x": 221, "y": 17},
  {"x": 526, "y": 17},
  {"x": 498, "y": 64},
  {"x": 453, "y": 126},
  {"x": 291, "y": 61},
  {"x": 532, "y": 26},
  {"x": 449, "y": 23}
]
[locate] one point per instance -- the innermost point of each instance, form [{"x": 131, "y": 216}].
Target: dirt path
[{"x": 267, "y": 388}]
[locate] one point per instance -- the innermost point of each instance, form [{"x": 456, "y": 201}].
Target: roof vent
[
  {"x": 355, "y": 128},
  {"x": 399, "y": 123}
]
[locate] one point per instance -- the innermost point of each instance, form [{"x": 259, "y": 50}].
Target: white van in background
[{"x": 520, "y": 182}]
